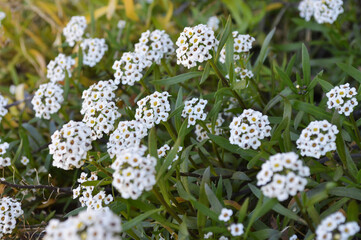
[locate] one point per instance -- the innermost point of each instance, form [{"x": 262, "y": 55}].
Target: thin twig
[
  {"x": 49, "y": 187},
  {"x": 19, "y": 102}
]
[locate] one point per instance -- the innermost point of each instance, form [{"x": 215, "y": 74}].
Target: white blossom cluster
[
  {"x": 242, "y": 44},
  {"x": 334, "y": 227},
  {"x": 324, "y": 11},
  {"x": 74, "y": 30},
  {"x": 85, "y": 193},
  {"x": 249, "y": 128},
  {"x": 89, "y": 225},
  {"x": 129, "y": 68},
  {"x": 283, "y": 175},
  {"x": 318, "y": 138},
  {"x": 4, "y": 161},
  {"x": 155, "y": 46},
  {"x": 241, "y": 74},
  {"x": 47, "y": 100},
  {"x": 202, "y": 133},
  {"x": 194, "y": 110},
  {"x": 128, "y": 134},
  {"x": 133, "y": 172},
  {"x": 93, "y": 50},
  {"x": 162, "y": 152},
  {"x": 98, "y": 108},
  {"x": 3, "y": 109},
  {"x": 342, "y": 98},
  {"x": 70, "y": 145},
  {"x": 59, "y": 67},
  {"x": 195, "y": 45},
  {"x": 153, "y": 109},
  {"x": 10, "y": 209},
  {"x": 213, "y": 23}
]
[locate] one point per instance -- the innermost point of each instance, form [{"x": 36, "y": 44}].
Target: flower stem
[
  {"x": 161, "y": 200},
  {"x": 170, "y": 130},
  {"x": 358, "y": 142},
  {"x": 304, "y": 214}
]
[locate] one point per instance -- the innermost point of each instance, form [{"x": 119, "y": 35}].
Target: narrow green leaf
[
  {"x": 351, "y": 71},
  {"x": 306, "y": 68},
  {"x": 177, "y": 79},
  {"x": 128, "y": 225}
]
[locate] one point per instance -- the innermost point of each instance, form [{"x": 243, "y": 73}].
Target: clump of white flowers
[
  {"x": 74, "y": 30},
  {"x": 236, "y": 229},
  {"x": 208, "y": 235},
  {"x": 324, "y": 11},
  {"x": 93, "y": 50},
  {"x": 225, "y": 215},
  {"x": 129, "y": 68},
  {"x": 162, "y": 152},
  {"x": 47, "y": 100},
  {"x": 155, "y": 46},
  {"x": 283, "y": 175},
  {"x": 242, "y": 74},
  {"x": 10, "y": 210},
  {"x": 4, "y": 161},
  {"x": 3, "y": 109},
  {"x": 90, "y": 224},
  {"x": 201, "y": 133},
  {"x": 230, "y": 104},
  {"x": 59, "y": 67},
  {"x": 128, "y": 134},
  {"x": 133, "y": 172},
  {"x": 98, "y": 108},
  {"x": 85, "y": 193},
  {"x": 334, "y": 227},
  {"x": 24, "y": 160},
  {"x": 2, "y": 16},
  {"x": 213, "y": 23},
  {"x": 195, "y": 45},
  {"x": 153, "y": 109},
  {"x": 249, "y": 128},
  {"x": 194, "y": 110},
  {"x": 70, "y": 145},
  {"x": 318, "y": 138},
  {"x": 242, "y": 44},
  {"x": 342, "y": 98}
]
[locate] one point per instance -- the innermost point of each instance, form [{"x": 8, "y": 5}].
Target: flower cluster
[
  {"x": 89, "y": 224},
  {"x": 283, "y": 175},
  {"x": 59, "y": 67},
  {"x": 155, "y": 46},
  {"x": 74, "y": 30},
  {"x": 201, "y": 133},
  {"x": 47, "y": 100},
  {"x": 98, "y": 108},
  {"x": 133, "y": 172},
  {"x": 249, "y": 128},
  {"x": 4, "y": 161},
  {"x": 96, "y": 202},
  {"x": 213, "y": 23},
  {"x": 2, "y": 16},
  {"x": 195, "y": 45},
  {"x": 162, "y": 152},
  {"x": 70, "y": 145},
  {"x": 3, "y": 110},
  {"x": 242, "y": 74},
  {"x": 194, "y": 110},
  {"x": 129, "y": 68},
  {"x": 93, "y": 50},
  {"x": 342, "y": 98},
  {"x": 10, "y": 209},
  {"x": 318, "y": 138},
  {"x": 153, "y": 109},
  {"x": 128, "y": 134},
  {"x": 334, "y": 227},
  {"x": 324, "y": 11},
  {"x": 242, "y": 44}
]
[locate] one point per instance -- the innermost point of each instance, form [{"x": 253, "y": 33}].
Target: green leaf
[
  {"x": 317, "y": 112},
  {"x": 306, "y": 68},
  {"x": 128, "y": 225},
  {"x": 285, "y": 78},
  {"x": 352, "y": 211},
  {"x": 216, "y": 206},
  {"x": 75, "y": 212},
  {"x": 326, "y": 86},
  {"x": 224, "y": 36},
  {"x": 206, "y": 71},
  {"x": 350, "y": 70},
  {"x": 263, "y": 53},
  {"x": 354, "y": 193},
  {"x": 177, "y": 79},
  {"x": 203, "y": 199},
  {"x": 152, "y": 142}
]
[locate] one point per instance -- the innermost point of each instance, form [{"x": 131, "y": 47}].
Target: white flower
[
  {"x": 91, "y": 224},
  {"x": 194, "y": 110},
  {"x": 349, "y": 229},
  {"x": 121, "y": 24},
  {"x": 225, "y": 215},
  {"x": 3, "y": 109},
  {"x": 249, "y": 128},
  {"x": 230, "y": 104},
  {"x": 195, "y": 45},
  {"x": 128, "y": 134},
  {"x": 10, "y": 209},
  {"x": 213, "y": 23},
  {"x": 59, "y": 67},
  {"x": 47, "y": 100},
  {"x": 236, "y": 229},
  {"x": 317, "y": 139},
  {"x": 242, "y": 74},
  {"x": 70, "y": 144},
  {"x": 155, "y": 46},
  {"x": 133, "y": 172},
  {"x": 4, "y": 161},
  {"x": 163, "y": 151},
  {"x": 242, "y": 44},
  {"x": 342, "y": 98},
  {"x": 324, "y": 11},
  {"x": 202, "y": 134},
  {"x": 293, "y": 237},
  {"x": 223, "y": 238},
  {"x": 93, "y": 50},
  {"x": 24, "y": 160},
  {"x": 74, "y": 30},
  {"x": 208, "y": 235},
  {"x": 153, "y": 109},
  {"x": 2, "y": 16}
]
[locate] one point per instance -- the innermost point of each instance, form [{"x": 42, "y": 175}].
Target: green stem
[
  {"x": 161, "y": 200},
  {"x": 225, "y": 82},
  {"x": 170, "y": 130},
  {"x": 164, "y": 64},
  {"x": 144, "y": 86},
  {"x": 358, "y": 142},
  {"x": 101, "y": 168},
  {"x": 304, "y": 214}
]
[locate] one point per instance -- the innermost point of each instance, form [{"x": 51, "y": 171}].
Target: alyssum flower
[
  {"x": 324, "y": 11},
  {"x": 342, "y": 98},
  {"x": 3, "y": 109},
  {"x": 59, "y": 67},
  {"x": 194, "y": 110},
  {"x": 242, "y": 44},
  {"x": 93, "y": 50},
  {"x": 201, "y": 133},
  {"x": 74, "y": 30},
  {"x": 10, "y": 209}
]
